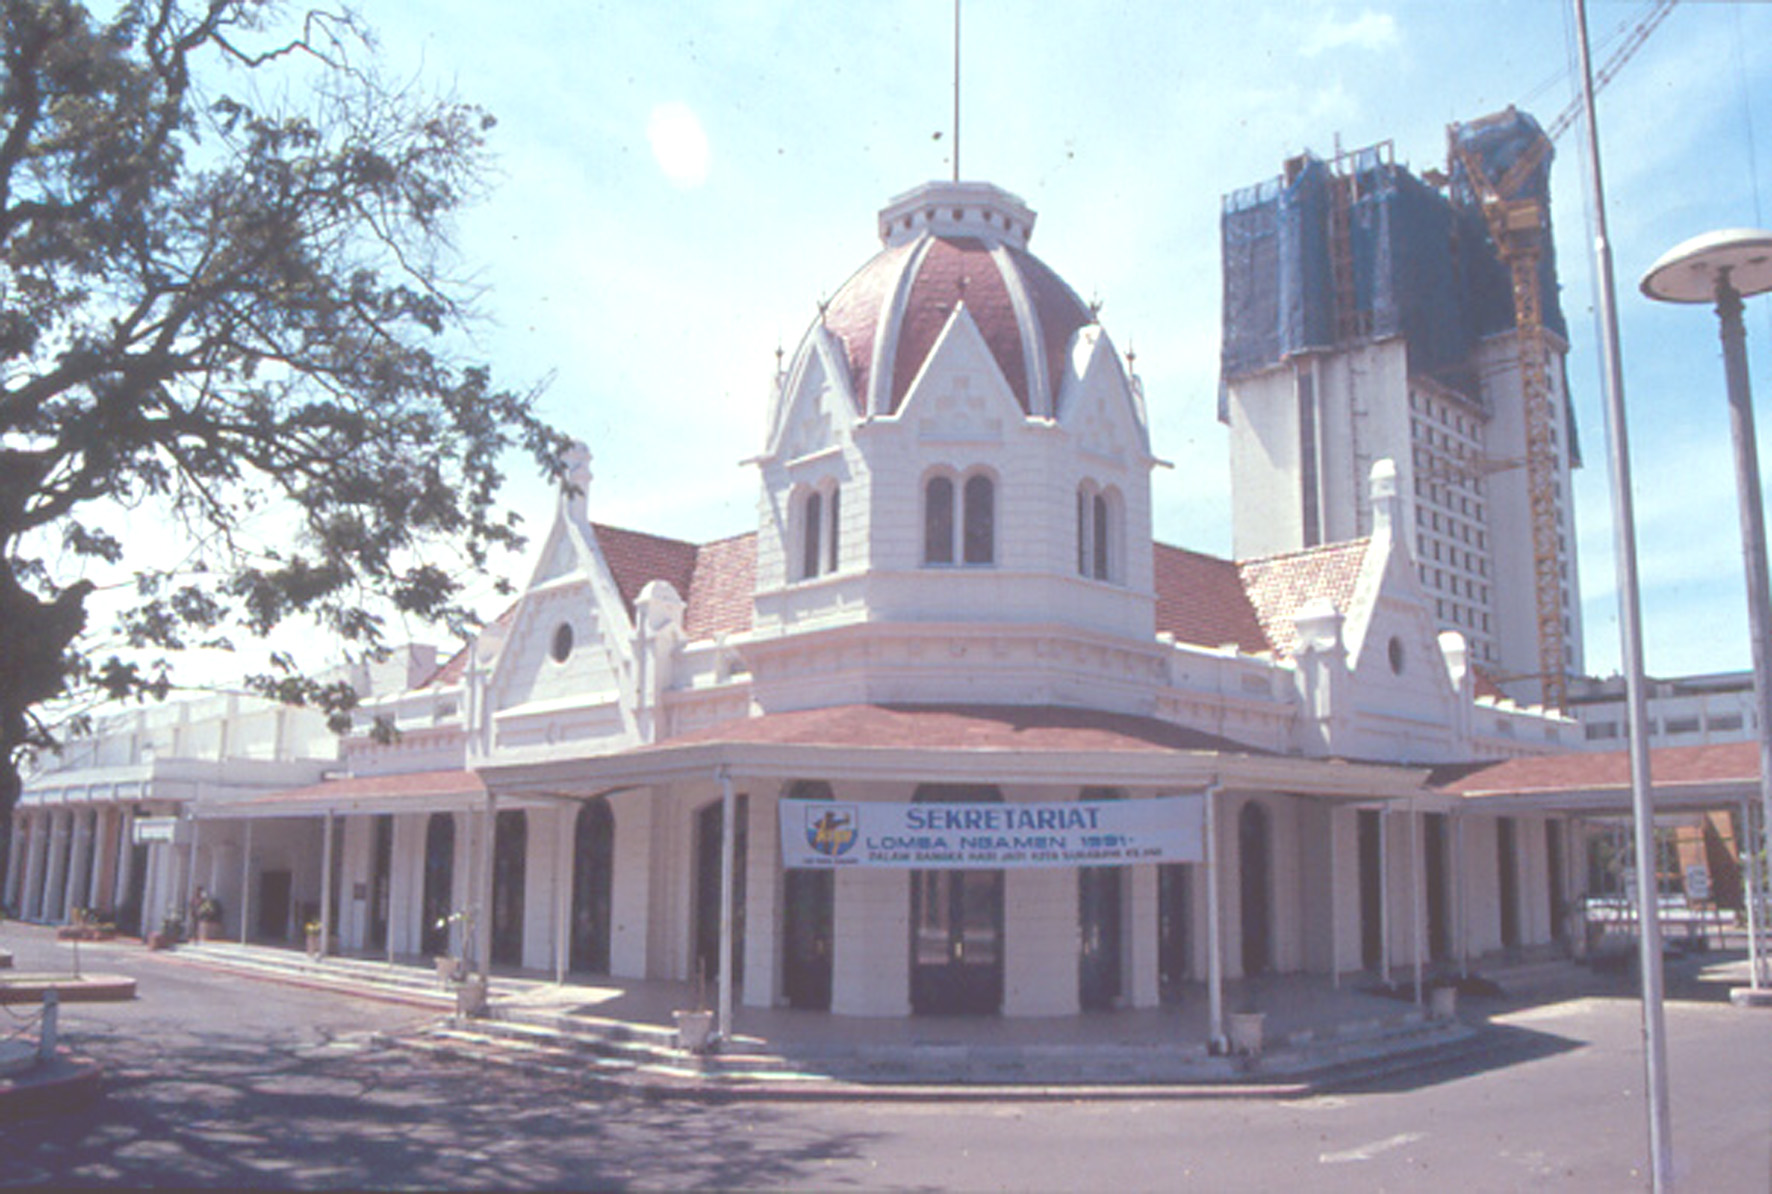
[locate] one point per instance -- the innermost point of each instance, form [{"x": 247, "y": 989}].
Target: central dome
[{"x": 949, "y": 243}]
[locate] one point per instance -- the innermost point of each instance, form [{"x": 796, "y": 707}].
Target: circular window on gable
[
  {"x": 562, "y": 642},
  {"x": 1395, "y": 650}
]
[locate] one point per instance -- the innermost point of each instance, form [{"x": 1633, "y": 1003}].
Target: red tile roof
[
  {"x": 965, "y": 727},
  {"x": 1670, "y": 767},
  {"x": 721, "y": 591},
  {"x": 636, "y": 558},
  {"x": 456, "y": 665},
  {"x": 950, "y": 270},
  {"x": 407, "y": 785},
  {"x": 1278, "y": 585},
  {"x": 1201, "y": 600}
]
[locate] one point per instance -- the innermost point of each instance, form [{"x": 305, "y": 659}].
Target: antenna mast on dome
[{"x": 956, "y": 90}]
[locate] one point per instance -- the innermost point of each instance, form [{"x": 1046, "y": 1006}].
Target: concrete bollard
[{"x": 46, "y": 1028}]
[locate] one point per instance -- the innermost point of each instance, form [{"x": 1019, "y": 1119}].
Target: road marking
[{"x": 1368, "y": 1152}]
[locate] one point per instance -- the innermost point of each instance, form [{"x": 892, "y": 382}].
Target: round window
[
  {"x": 1396, "y": 654},
  {"x": 562, "y": 642}
]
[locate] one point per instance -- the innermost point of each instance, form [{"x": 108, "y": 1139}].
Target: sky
[{"x": 679, "y": 184}]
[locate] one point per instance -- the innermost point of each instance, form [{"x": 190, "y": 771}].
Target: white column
[
  {"x": 1415, "y": 868},
  {"x": 125, "y": 859},
  {"x": 1746, "y": 841},
  {"x": 246, "y": 883},
  {"x": 1214, "y": 930},
  {"x": 728, "y": 855},
  {"x": 15, "y": 853},
  {"x": 36, "y": 861},
  {"x": 79, "y": 861},
  {"x": 564, "y": 876},
  {"x": 55, "y": 884},
  {"x": 1384, "y": 893},
  {"x": 326, "y": 883}
]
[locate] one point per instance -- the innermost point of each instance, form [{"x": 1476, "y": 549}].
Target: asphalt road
[{"x": 217, "y": 1080}]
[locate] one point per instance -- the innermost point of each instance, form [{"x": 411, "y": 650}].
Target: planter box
[
  {"x": 695, "y": 1031},
  {"x": 1246, "y": 1030},
  {"x": 1442, "y": 1003}
]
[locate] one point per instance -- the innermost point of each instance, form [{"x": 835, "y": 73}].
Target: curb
[{"x": 65, "y": 1084}]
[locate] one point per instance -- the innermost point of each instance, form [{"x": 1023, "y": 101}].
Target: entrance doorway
[
  {"x": 1255, "y": 863},
  {"x": 433, "y": 933},
  {"x": 808, "y": 897},
  {"x": 1100, "y": 903},
  {"x": 593, "y": 870},
  {"x": 1439, "y": 913},
  {"x": 1174, "y": 938},
  {"x": 708, "y": 837},
  {"x": 957, "y": 926},
  {"x": 380, "y": 880},
  {"x": 510, "y": 852},
  {"x": 1507, "y": 869},
  {"x": 1371, "y": 849},
  {"x": 273, "y": 905}
]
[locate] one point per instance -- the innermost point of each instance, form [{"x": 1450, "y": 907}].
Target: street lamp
[{"x": 1726, "y": 267}]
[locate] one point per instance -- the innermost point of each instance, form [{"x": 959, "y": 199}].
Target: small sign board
[
  {"x": 1697, "y": 882},
  {"x": 168, "y": 830}
]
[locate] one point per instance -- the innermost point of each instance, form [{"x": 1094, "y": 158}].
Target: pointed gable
[{"x": 1278, "y": 585}]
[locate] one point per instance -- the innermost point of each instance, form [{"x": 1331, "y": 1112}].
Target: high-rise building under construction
[{"x": 1371, "y": 313}]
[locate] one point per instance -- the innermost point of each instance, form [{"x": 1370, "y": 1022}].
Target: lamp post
[{"x": 1726, "y": 267}]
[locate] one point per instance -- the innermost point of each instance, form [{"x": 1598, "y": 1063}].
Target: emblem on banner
[{"x": 830, "y": 829}]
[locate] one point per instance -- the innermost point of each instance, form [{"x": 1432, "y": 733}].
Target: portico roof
[
  {"x": 1028, "y": 744},
  {"x": 413, "y": 791},
  {"x": 1683, "y": 779}
]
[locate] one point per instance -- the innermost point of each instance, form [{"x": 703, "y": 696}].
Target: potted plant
[
  {"x": 172, "y": 929},
  {"x": 313, "y": 930},
  {"x": 209, "y": 916}
]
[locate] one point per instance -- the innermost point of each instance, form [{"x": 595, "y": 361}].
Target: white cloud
[
  {"x": 679, "y": 144},
  {"x": 1367, "y": 31}
]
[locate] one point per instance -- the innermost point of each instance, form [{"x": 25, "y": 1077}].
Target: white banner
[{"x": 835, "y": 833}]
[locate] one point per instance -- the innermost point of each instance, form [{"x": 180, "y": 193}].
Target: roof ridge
[{"x": 1301, "y": 553}]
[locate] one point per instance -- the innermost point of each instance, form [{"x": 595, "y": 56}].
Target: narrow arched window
[
  {"x": 811, "y": 530},
  {"x": 1082, "y": 533},
  {"x": 835, "y": 523},
  {"x": 981, "y": 520},
  {"x": 938, "y": 521},
  {"x": 1101, "y": 537}
]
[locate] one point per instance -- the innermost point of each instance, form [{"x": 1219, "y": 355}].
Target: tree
[{"x": 231, "y": 315}]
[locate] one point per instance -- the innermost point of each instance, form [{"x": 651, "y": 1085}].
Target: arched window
[
  {"x": 835, "y": 523},
  {"x": 981, "y": 520},
  {"x": 811, "y": 532},
  {"x": 938, "y": 521},
  {"x": 1102, "y": 538}
]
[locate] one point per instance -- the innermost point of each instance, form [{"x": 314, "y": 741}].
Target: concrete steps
[{"x": 359, "y": 976}]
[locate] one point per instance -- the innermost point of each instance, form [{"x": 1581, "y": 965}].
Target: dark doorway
[
  {"x": 1255, "y": 865},
  {"x": 1175, "y": 906},
  {"x": 957, "y": 926},
  {"x": 1439, "y": 878},
  {"x": 1555, "y": 870},
  {"x": 593, "y": 876},
  {"x": 708, "y": 837},
  {"x": 1507, "y": 870},
  {"x": 129, "y": 911},
  {"x": 381, "y": 864},
  {"x": 274, "y": 889},
  {"x": 1100, "y": 905},
  {"x": 510, "y": 855},
  {"x": 808, "y": 897},
  {"x": 1371, "y": 848},
  {"x": 433, "y": 934}
]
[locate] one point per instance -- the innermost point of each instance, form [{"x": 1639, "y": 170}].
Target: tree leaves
[{"x": 233, "y": 315}]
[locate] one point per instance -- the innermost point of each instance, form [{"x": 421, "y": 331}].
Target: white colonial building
[{"x": 952, "y": 596}]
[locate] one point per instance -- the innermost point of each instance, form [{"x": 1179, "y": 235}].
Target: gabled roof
[
  {"x": 721, "y": 589},
  {"x": 1671, "y": 768},
  {"x": 1278, "y": 585},
  {"x": 1201, "y": 600},
  {"x": 636, "y": 558}
]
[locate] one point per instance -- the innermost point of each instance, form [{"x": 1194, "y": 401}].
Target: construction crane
[
  {"x": 1518, "y": 220},
  {"x": 1519, "y": 223}
]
